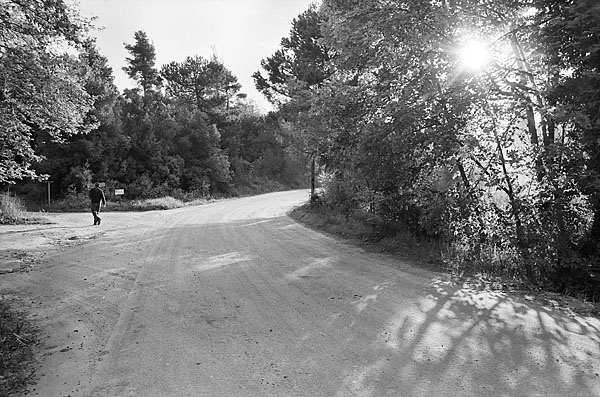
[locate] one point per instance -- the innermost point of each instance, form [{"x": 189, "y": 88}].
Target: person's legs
[{"x": 95, "y": 211}]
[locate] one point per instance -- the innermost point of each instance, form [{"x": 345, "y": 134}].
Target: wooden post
[
  {"x": 49, "y": 182},
  {"x": 312, "y": 178}
]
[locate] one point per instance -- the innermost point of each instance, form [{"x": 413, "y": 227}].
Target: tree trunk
[{"x": 514, "y": 204}]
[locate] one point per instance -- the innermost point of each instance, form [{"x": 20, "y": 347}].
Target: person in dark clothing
[{"x": 97, "y": 199}]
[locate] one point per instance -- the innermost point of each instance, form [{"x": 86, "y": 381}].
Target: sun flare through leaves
[{"x": 474, "y": 54}]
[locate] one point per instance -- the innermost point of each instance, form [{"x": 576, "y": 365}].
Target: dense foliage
[
  {"x": 473, "y": 122},
  {"x": 186, "y": 131},
  {"x": 41, "y": 91}
]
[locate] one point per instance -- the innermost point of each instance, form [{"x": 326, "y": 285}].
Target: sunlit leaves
[
  {"x": 41, "y": 83},
  {"x": 489, "y": 95}
]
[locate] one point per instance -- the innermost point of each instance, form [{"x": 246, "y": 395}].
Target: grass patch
[
  {"x": 162, "y": 203},
  {"x": 17, "y": 337},
  {"x": 371, "y": 233},
  {"x": 81, "y": 203},
  {"x": 12, "y": 210}
]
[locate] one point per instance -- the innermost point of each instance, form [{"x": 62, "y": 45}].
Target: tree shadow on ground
[{"x": 462, "y": 341}]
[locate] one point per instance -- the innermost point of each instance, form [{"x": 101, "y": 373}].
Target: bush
[
  {"x": 12, "y": 209},
  {"x": 340, "y": 195},
  {"x": 163, "y": 203},
  {"x": 369, "y": 231}
]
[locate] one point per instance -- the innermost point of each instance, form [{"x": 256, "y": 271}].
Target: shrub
[
  {"x": 12, "y": 209},
  {"x": 163, "y": 203}
]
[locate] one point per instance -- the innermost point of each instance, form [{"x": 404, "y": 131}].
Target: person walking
[{"x": 97, "y": 199}]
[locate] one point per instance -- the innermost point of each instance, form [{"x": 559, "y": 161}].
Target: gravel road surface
[{"x": 234, "y": 298}]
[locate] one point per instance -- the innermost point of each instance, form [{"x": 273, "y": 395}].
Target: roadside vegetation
[
  {"x": 12, "y": 210},
  {"x": 81, "y": 203},
  {"x": 17, "y": 338},
  {"x": 17, "y": 335},
  {"x": 370, "y": 232},
  {"x": 376, "y": 234}
]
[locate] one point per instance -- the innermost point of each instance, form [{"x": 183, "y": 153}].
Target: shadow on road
[{"x": 480, "y": 342}]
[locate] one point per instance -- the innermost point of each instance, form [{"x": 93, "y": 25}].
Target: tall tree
[
  {"x": 570, "y": 39},
  {"x": 301, "y": 62},
  {"x": 205, "y": 84},
  {"x": 141, "y": 66},
  {"x": 299, "y": 66}
]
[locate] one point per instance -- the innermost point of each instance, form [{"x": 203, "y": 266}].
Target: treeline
[
  {"x": 475, "y": 123},
  {"x": 186, "y": 130}
]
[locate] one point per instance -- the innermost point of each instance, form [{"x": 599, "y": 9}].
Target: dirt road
[{"x": 235, "y": 299}]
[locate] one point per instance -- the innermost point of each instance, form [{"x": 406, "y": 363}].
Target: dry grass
[
  {"x": 12, "y": 210},
  {"x": 80, "y": 203},
  {"x": 162, "y": 203}
]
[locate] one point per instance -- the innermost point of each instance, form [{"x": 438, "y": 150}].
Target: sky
[{"x": 239, "y": 32}]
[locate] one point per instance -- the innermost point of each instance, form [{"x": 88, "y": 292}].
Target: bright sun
[{"x": 474, "y": 55}]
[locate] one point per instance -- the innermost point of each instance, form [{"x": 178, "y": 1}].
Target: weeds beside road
[
  {"x": 374, "y": 235},
  {"x": 17, "y": 337}
]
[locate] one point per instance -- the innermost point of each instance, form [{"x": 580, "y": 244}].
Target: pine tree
[{"x": 141, "y": 63}]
